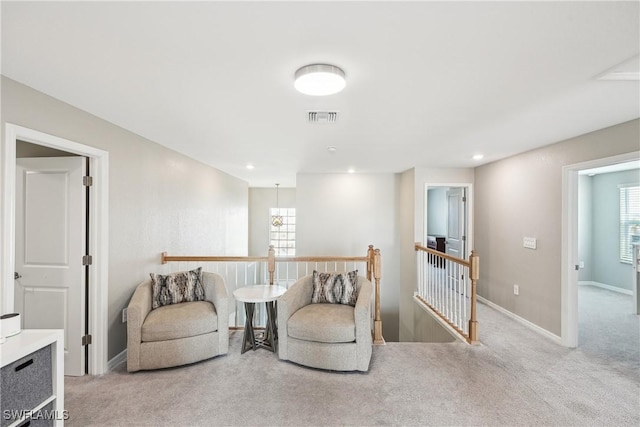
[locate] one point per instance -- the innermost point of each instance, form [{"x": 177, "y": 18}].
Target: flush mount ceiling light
[{"x": 319, "y": 79}]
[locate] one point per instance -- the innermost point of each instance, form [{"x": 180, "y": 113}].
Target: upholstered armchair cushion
[
  {"x": 177, "y": 334},
  {"x": 326, "y": 336},
  {"x": 182, "y": 320},
  {"x": 330, "y": 323}
]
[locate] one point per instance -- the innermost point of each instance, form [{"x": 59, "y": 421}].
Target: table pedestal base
[{"x": 267, "y": 339}]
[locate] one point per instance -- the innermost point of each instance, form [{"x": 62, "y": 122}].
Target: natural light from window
[
  {"x": 283, "y": 238},
  {"x": 629, "y": 219}
]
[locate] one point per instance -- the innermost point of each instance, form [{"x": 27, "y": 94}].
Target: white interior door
[
  {"x": 50, "y": 244},
  {"x": 456, "y": 222}
]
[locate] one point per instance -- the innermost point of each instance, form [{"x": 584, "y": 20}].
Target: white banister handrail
[
  {"x": 447, "y": 286},
  {"x": 284, "y": 271}
]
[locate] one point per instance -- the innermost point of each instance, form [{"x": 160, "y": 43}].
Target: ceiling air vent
[{"x": 322, "y": 116}]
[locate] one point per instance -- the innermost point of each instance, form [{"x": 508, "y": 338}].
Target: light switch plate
[{"x": 530, "y": 242}]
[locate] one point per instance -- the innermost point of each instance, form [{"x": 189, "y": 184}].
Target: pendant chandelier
[{"x": 276, "y": 220}]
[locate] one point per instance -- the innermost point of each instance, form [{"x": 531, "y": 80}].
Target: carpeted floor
[
  {"x": 516, "y": 377},
  {"x": 608, "y": 331}
]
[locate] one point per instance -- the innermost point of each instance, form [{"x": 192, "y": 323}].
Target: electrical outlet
[
  {"x": 530, "y": 242},
  {"x": 516, "y": 290},
  {"x": 124, "y": 315}
]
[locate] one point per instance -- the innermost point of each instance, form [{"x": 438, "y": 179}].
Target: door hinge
[
  {"x": 87, "y": 181},
  {"x": 87, "y": 260},
  {"x": 464, "y": 199},
  {"x": 86, "y": 340},
  {"x": 464, "y": 238}
]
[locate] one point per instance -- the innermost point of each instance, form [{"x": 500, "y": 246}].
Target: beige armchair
[
  {"x": 326, "y": 336},
  {"x": 177, "y": 334}
]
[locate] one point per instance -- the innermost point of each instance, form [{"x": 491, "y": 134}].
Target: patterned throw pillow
[
  {"x": 335, "y": 288},
  {"x": 184, "y": 286}
]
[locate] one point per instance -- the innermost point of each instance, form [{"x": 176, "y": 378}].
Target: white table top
[
  {"x": 258, "y": 293},
  {"x": 28, "y": 341}
]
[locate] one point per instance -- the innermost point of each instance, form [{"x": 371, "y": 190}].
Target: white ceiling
[{"x": 429, "y": 84}]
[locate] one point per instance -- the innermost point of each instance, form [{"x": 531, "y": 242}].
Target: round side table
[{"x": 250, "y": 296}]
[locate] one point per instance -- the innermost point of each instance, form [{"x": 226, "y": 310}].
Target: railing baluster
[
  {"x": 228, "y": 268},
  {"x": 447, "y": 285}
]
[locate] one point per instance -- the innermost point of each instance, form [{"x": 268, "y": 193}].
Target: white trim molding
[
  {"x": 117, "y": 360},
  {"x": 553, "y": 337},
  {"x": 605, "y": 286},
  {"x": 98, "y": 232}
]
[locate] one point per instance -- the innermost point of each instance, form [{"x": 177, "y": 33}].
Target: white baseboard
[
  {"x": 605, "y": 286},
  {"x": 553, "y": 337},
  {"x": 118, "y": 359}
]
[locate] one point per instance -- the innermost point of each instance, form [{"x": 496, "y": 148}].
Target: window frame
[
  {"x": 283, "y": 246},
  {"x": 628, "y": 196}
]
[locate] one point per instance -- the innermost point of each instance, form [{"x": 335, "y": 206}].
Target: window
[
  {"x": 629, "y": 219},
  {"x": 283, "y": 238}
]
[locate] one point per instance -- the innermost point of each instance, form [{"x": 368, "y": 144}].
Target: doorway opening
[
  {"x": 97, "y": 292},
  {"x": 575, "y": 259},
  {"x": 447, "y": 220}
]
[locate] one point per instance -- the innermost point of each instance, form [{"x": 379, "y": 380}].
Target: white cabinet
[{"x": 32, "y": 379}]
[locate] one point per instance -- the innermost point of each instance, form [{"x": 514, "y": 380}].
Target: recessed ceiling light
[
  {"x": 352, "y": 170},
  {"x": 478, "y": 156},
  {"x": 250, "y": 166},
  {"x": 319, "y": 79},
  {"x": 332, "y": 149}
]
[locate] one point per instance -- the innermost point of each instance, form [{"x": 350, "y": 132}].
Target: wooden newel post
[
  {"x": 271, "y": 263},
  {"x": 475, "y": 274},
  {"x": 377, "y": 321},
  {"x": 370, "y": 263}
]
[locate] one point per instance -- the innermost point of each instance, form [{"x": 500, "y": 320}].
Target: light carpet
[
  {"x": 516, "y": 377},
  {"x": 608, "y": 331}
]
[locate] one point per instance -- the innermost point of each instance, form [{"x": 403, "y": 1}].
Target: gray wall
[
  {"x": 412, "y": 204},
  {"x": 406, "y": 217},
  {"x": 607, "y": 268},
  {"x": 341, "y": 214},
  {"x": 522, "y": 196},
  {"x": 260, "y": 201},
  {"x": 159, "y": 200}
]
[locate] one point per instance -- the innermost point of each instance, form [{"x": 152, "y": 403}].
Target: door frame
[
  {"x": 468, "y": 215},
  {"x": 98, "y": 232},
  {"x": 569, "y": 257}
]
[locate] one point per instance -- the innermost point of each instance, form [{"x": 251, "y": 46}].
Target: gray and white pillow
[
  {"x": 174, "y": 288},
  {"x": 335, "y": 288}
]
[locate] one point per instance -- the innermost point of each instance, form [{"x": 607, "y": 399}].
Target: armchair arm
[
  {"x": 296, "y": 297},
  {"x": 363, "y": 308},
  {"x": 362, "y": 313},
  {"x": 137, "y": 310},
  {"x": 215, "y": 292}
]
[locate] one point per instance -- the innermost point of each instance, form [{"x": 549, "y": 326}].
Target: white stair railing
[
  {"x": 447, "y": 286},
  {"x": 282, "y": 271}
]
